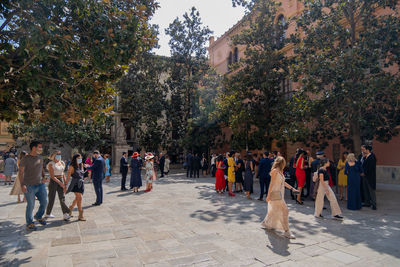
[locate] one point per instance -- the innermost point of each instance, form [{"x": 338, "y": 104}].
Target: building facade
[{"x": 222, "y": 53}]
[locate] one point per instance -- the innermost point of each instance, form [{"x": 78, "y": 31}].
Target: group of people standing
[{"x": 194, "y": 163}]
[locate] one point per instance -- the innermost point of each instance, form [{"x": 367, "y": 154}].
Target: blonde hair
[
  {"x": 53, "y": 155},
  {"x": 351, "y": 157},
  {"x": 279, "y": 163}
]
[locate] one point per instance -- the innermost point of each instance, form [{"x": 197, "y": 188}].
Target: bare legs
[
  {"x": 77, "y": 201},
  {"x": 299, "y": 195}
]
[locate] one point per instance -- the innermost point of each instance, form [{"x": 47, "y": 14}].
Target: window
[
  {"x": 236, "y": 55},
  {"x": 229, "y": 60},
  {"x": 281, "y": 29},
  {"x": 286, "y": 87}
]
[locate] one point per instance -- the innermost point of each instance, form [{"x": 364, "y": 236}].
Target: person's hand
[
  {"x": 295, "y": 190},
  {"x": 328, "y": 193},
  {"x": 267, "y": 199},
  {"x": 24, "y": 189},
  {"x": 65, "y": 189}
]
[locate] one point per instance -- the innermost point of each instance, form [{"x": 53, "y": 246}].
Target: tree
[
  {"x": 189, "y": 62},
  {"x": 142, "y": 95},
  {"x": 342, "y": 63},
  {"x": 83, "y": 135},
  {"x": 59, "y": 57},
  {"x": 254, "y": 91},
  {"x": 204, "y": 127}
]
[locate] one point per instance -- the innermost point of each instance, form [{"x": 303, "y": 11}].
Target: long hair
[
  {"x": 344, "y": 153},
  {"x": 74, "y": 161},
  {"x": 279, "y": 163},
  {"x": 53, "y": 155},
  {"x": 22, "y": 154}
]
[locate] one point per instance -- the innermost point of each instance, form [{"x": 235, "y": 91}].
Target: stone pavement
[{"x": 183, "y": 222}]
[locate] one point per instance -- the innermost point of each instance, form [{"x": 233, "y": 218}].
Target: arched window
[
  {"x": 281, "y": 28},
  {"x": 229, "y": 59},
  {"x": 235, "y": 55}
]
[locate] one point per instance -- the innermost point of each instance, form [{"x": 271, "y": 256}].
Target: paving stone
[
  {"x": 341, "y": 256},
  {"x": 66, "y": 241}
]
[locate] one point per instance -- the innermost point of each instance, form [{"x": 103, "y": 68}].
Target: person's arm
[
  {"x": 251, "y": 166},
  {"x": 273, "y": 177},
  {"x": 70, "y": 171}
]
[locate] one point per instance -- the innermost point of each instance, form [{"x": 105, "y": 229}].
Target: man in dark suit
[
  {"x": 189, "y": 165},
  {"x": 196, "y": 166},
  {"x": 98, "y": 168},
  {"x": 161, "y": 164},
  {"x": 264, "y": 168},
  {"x": 123, "y": 169},
  {"x": 369, "y": 177}
]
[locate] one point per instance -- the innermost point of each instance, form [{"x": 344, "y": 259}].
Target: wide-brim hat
[
  {"x": 149, "y": 156},
  {"x": 135, "y": 155}
]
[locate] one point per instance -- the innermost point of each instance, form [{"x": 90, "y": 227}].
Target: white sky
[{"x": 218, "y": 15}]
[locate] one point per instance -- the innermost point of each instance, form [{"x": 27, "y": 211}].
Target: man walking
[
  {"x": 32, "y": 181},
  {"x": 162, "y": 163},
  {"x": 264, "y": 168},
  {"x": 98, "y": 168},
  {"x": 123, "y": 169},
  {"x": 189, "y": 165},
  {"x": 369, "y": 177}
]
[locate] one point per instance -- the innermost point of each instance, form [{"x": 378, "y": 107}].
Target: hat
[
  {"x": 320, "y": 153},
  {"x": 135, "y": 155},
  {"x": 149, "y": 156}
]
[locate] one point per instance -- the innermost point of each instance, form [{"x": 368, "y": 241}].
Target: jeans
[
  {"x": 98, "y": 188},
  {"x": 40, "y": 192}
]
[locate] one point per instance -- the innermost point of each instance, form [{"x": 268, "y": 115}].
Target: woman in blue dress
[
  {"x": 136, "y": 166},
  {"x": 108, "y": 167},
  {"x": 353, "y": 170}
]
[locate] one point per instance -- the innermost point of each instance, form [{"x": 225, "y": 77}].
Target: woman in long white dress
[
  {"x": 277, "y": 217},
  {"x": 16, "y": 190}
]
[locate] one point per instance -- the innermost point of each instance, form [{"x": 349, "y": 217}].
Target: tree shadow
[
  {"x": 378, "y": 230},
  {"x": 13, "y": 240}
]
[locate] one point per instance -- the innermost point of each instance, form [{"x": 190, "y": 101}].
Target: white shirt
[{"x": 58, "y": 167}]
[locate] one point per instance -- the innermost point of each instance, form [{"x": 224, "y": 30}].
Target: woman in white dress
[{"x": 277, "y": 217}]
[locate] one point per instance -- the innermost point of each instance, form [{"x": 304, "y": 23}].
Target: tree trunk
[{"x": 356, "y": 137}]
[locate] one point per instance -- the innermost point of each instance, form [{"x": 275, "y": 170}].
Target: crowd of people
[
  {"x": 306, "y": 177},
  {"x": 70, "y": 177}
]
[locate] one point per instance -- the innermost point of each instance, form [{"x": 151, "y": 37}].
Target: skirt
[{"x": 76, "y": 186}]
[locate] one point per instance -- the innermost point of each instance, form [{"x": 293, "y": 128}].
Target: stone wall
[{"x": 388, "y": 174}]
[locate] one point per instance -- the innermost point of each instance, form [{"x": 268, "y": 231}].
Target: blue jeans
[
  {"x": 98, "y": 189},
  {"x": 40, "y": 192}
]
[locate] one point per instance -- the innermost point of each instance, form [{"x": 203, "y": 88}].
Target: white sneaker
[
  {"x": 289, "y": 235},
  {"x": 66, "y": 217},
  {"x": 49, "y": 216}
]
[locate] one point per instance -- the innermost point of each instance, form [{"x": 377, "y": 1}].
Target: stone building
[{"x": 222, "y": 53}]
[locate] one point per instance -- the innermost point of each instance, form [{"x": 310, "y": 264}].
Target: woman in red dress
[
  {"x": 220, "y": 178},
  {"x": 300, "y": 174}
]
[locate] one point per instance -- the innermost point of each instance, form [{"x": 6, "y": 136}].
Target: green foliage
[
  {"x": 342, "y": 65},
  {"x": 59, "y": 57},
  {"x": 252, "y": 99},
  {"x": 188, "y": 64},
  {"x": 143, "y": 94},
  {"x": 83, "y": 135}
]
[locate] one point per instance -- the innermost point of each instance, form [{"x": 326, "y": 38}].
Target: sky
[{"x": 218, "y": 15}]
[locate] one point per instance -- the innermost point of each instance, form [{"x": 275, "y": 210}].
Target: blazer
[
  {"x": 264, "y": 168},
  {"x": 98, "y": 168},
  {"x": 369, "y": 166},
  {"x": 123, "y": 165}
]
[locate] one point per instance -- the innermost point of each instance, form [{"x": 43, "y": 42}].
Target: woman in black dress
[
  {"x": 75, "y": 173},
  {"x": 248, "y": 176}
]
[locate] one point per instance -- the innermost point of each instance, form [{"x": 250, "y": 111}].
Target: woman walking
[
  {"x": 277, "y": 217},
  {"x": 353, "y": 170},
  {"x": 89, "y": 161},
  {"x": 219, "y": 174},
  {"x": 248, "y": 175},
  {"x": 300, "y": 174},
  {"x": 56, "y": 169},
  {"x": 150, "y": 173},
  {"x": 16, "y": 190},
  {"x": 10, "y": 166},
  {"x": 75, "y": 173},
  {"x": 136, "y": 166},
  {"x": 325, "y": 189},
  {"x": 231, "y": 173},
  {"x": 342, "y": 177},
  {"x": 108, "y": 167}
]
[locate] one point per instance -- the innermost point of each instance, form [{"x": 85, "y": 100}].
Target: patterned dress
[{"x": 149, "y": 171}]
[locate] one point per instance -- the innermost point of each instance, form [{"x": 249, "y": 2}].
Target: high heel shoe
[
  {"x": 231, "y": 194},
  {"x": 299, "y": 202}
]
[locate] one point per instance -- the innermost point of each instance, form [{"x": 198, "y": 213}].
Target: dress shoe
[
  {"x": 95, "y": 204},
  {"x": 261, "y": 199},
  {"x": 374, "y": 207}
]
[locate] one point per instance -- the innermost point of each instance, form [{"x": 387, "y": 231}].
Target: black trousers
[
  {"x": 53, "y": 188},
  {"x": 213, "y": 170},
  {"x": 368, "y": 192},
  {"x": 264, "y": 184},
  {"x": 196, "y": 171},
  {"x": 123, "y": 180},
  {"x": 162, "y": 170},
  {"x": 98, "y": 189},
  {"x": 308, "y": 182}
]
